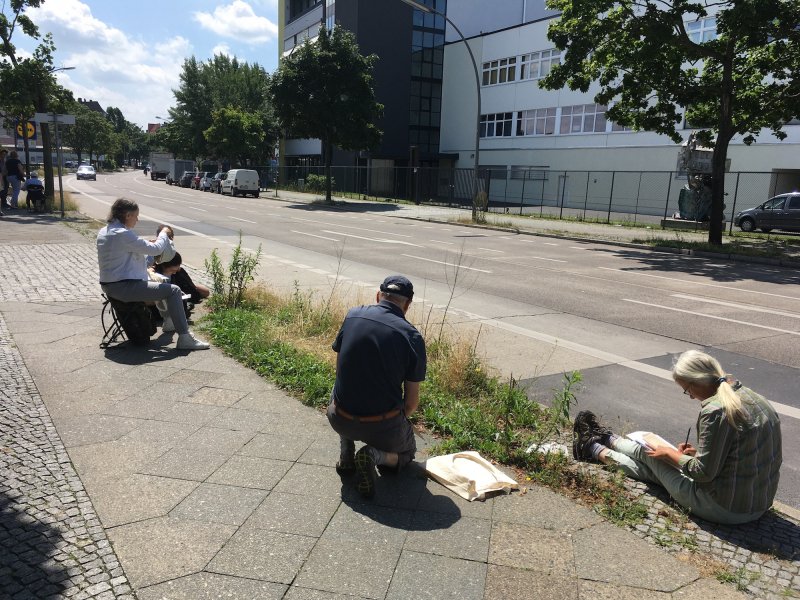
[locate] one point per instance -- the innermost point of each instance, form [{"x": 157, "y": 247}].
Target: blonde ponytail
[{"x": 694, "y": 366}]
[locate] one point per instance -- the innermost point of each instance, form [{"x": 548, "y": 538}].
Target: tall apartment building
[{"x": 408, "y": 76}]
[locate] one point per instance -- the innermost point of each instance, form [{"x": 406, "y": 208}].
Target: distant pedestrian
[
  {"x": 381, "y": 362},
  {"x": 732, "y": 475},
  {"x": 4, "y": 183},
  {"x": 16, "y": 175}
]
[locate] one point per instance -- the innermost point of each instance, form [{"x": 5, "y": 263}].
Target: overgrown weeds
[{"x": 286, "y": 338}]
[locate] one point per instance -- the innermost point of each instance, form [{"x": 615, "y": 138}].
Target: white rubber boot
[{"x": 187, "y": 341}]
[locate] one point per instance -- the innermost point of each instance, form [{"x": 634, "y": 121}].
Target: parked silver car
[{"x": 780, "y": 212}]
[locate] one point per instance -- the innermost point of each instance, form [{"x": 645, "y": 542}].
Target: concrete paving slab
[
  {"x": 503, "y": 583},
  {"x": 279, "y": 447},
  {"x": 192, "y": 377},
  {"x": 139, "y": 407},
  {"x": 106, "y": 460},
  {"x": 513, "y": 545},
  {"x": 251, "y": 472},
  {"x": 608, "y": 553},
  {"x": 597, "y": 590},
  {"x": 265, "y": 555},
  {"x": 189, "y": 413},
  {"x": 271, "y": 400},
  {"x": 214, "y": 503},
  {"x": 702, "y": 589},
  {"x": 160, "y": 433},
  {"x": 447, "y": 534},
  {"x": 246, "y": 382},
  {"x": 136, "y": 497},
  {"x": 437, "y": 498},
  {"x": 369, "y": 523},
  {"x": 217, "y": 364},
  {"x": 396, "y": 490},
  {"x": 66, "y": 406},
  {"x": 306, "y": 420},
  {"x": 214, "y": 439},
  {"x": 215, "y": 396},
  {"x": 444, "y": 578},
  {"x": 210, "y": 586},
  {"x": 181, "y": 463},
  {"x": 292, "y": 513},
  {"x": 240, "y": 419},
  {"x": 300, "y": 593},
  {"x": 322, "y": 451},
  {"x": 91, "y": 429},
  {"x": 157, "y": 550},
  {"x": 346, "y": 567},
  {"x": 562, "y": 513}
]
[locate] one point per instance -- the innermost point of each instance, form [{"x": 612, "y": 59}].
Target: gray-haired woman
[
  {"x": 732, "y": 475},
  {"x": 122, "y": 257}
]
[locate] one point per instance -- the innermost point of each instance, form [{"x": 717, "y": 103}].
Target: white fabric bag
[{"x": 469, "y": 475}]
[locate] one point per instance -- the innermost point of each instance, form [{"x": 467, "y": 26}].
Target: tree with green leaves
[
  {"x": 238, "y": 135},
  {"x": 324, "y": 89},
  {"x": 92, "y": 133},
  {"x": 651, "y": 70},
  {"x": 28, "y": 83}
]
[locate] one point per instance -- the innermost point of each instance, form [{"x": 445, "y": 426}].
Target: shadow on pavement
[
  {"x": 359, "y": 207},
  {"x": 27, "y": 569},
  {"x": 772, "y": 534},
  {"x": 706, "y": 267},
  {"x": 126, "y": 353}
]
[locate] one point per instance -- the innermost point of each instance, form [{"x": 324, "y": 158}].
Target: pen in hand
[{"x": 688, "y": 433}]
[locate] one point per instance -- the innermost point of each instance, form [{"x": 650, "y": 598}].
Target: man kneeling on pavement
[{"x": 380, "y": 364}]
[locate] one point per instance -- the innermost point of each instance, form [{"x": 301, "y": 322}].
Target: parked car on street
[
  {"x": 241, "y": 181},
  {"x": 187, "y": 178},
  {"x": 205, "y": 182},
  {"x": 216, "y": 182},
  {"x": 86, "y": 172},
  {"x": 780, "y": 212},
  {"x": 198, "y": 178}
]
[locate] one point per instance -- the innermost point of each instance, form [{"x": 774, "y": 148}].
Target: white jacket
[{"x": 121, "y": 254}]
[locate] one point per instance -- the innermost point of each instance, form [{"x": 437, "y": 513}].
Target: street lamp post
[{"x": 428, "y": 9}]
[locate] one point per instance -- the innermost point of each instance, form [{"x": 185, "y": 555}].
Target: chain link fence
[{"x": 645, "y": 197}]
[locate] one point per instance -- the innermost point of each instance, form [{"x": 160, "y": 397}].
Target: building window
[
  {"x": 500, "y": 71},
  {"x": 528, "y": 173},
  {"x": 537, "y": 64},
  {"x": 702, "y": 30},
  {"x": 618, "y": 127},
  {"x": 300, "y": 7},
  {"x": 583, "y": 118},
  {"x": 330, "y": 14},
  {"x": 539, "y": 121},
  {"x": 496, "y": 125}
]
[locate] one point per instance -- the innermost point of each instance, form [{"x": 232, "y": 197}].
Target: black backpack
[{"x": 135, "y": 320}]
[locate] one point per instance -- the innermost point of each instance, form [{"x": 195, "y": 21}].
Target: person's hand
[
  {"x": 170, "y": 233},
  {"x": 658, "y": 452},
  {"x": 687, "y": 449}
]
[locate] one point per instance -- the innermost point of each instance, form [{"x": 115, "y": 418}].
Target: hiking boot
[
  {"x": 586, "y": 431},
  {"x": 186, "y": 341},
  {"x": 365, "y": 471},
  {"x": 346, "y": 467}
]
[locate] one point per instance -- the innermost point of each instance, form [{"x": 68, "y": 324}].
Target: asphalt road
[{"x": 537, "y": 306}]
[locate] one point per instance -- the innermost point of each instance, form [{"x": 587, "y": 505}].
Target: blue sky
[{"x": 129, "y": 54}]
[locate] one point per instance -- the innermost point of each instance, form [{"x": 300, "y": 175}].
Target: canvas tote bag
[{"x": 469, "y": 475}]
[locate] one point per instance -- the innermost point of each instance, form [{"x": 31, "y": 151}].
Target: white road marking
[
  {"x": 548, "y": 259},
  {"x": 322, "y": 237},
  {"x": 490, "y": 250},
  {"x": 768, "y": 311},
  {"x": 382, "y": 241},
  {"x": 329, "y": 224},
  {"x": 442, "y": 242},
  {"x": 550, "y": 244},
  {"x": 715, "y": 285},
  {"x": 577, "y": 248},
  {"x": 705, "y": 316},
  {"x": 243, "y": 220},
  {"x": 442, "y": 262},
  {"x": 195, "y": 208}
]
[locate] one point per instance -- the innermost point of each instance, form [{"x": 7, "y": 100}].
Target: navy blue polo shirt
[{"x": 378, "y": 350}]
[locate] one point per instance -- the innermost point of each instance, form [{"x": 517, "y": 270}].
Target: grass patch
[
  {"x": 741, "y": 577},
  {"x": 750, "y": 247}
]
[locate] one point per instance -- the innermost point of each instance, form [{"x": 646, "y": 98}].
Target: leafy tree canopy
[
  {"x": 324, "y": 90},
  {"x": 648, "y": 67}
]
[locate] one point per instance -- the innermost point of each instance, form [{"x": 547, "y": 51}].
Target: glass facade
[
  {"x": 330, "y": 14},
  {"x": 427, "y": 58}
]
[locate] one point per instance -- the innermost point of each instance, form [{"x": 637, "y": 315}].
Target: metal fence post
[
  {"x": 522, "y": 196},
  {"x": 735, "y": 197},
  {"x": 611, "y": 196},
  {"x": 541, "y": 200},
  {"x": 638, "y": 192},
  {"x": 563, "y": 193},
  {"x": 666, "y": 202},
  {"x": 586, "y": 197}
]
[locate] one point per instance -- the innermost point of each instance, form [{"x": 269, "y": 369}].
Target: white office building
[{"x": 524, "y": 127}]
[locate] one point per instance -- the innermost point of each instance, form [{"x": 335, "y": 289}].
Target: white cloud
[
  {"x": 239, "y": 21},
  {"x": 221, "y": 49},
  {"x": 111, "y": 66}
]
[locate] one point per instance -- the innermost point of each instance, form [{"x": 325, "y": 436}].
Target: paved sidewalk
[{"x": 210, "y": 482}]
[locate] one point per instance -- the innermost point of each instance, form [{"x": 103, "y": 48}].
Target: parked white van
[{"x": 240, "y": 181}]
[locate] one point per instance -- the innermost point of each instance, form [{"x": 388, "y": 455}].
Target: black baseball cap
[{"x": 397, "y": 284}]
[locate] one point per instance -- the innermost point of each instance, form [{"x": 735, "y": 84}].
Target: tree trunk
[
  {"x": 328, "y": 160},
  {"x": 47, "y": 160},
  {"x": 724, "y": 136}
]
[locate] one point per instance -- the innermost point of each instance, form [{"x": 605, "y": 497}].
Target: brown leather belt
[{"x": 365, "y": 419}]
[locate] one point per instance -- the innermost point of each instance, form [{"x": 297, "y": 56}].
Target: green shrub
[
  {"x": 316, "y": 183},
  {"x": 229, "y": 286}
]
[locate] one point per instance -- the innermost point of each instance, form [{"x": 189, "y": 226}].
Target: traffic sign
[
  {"x": 54, "y": 118},
  {"x": 30, "y": 130}
]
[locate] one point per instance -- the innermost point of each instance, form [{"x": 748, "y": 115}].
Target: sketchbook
[{"x": 648, "y": 439}]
